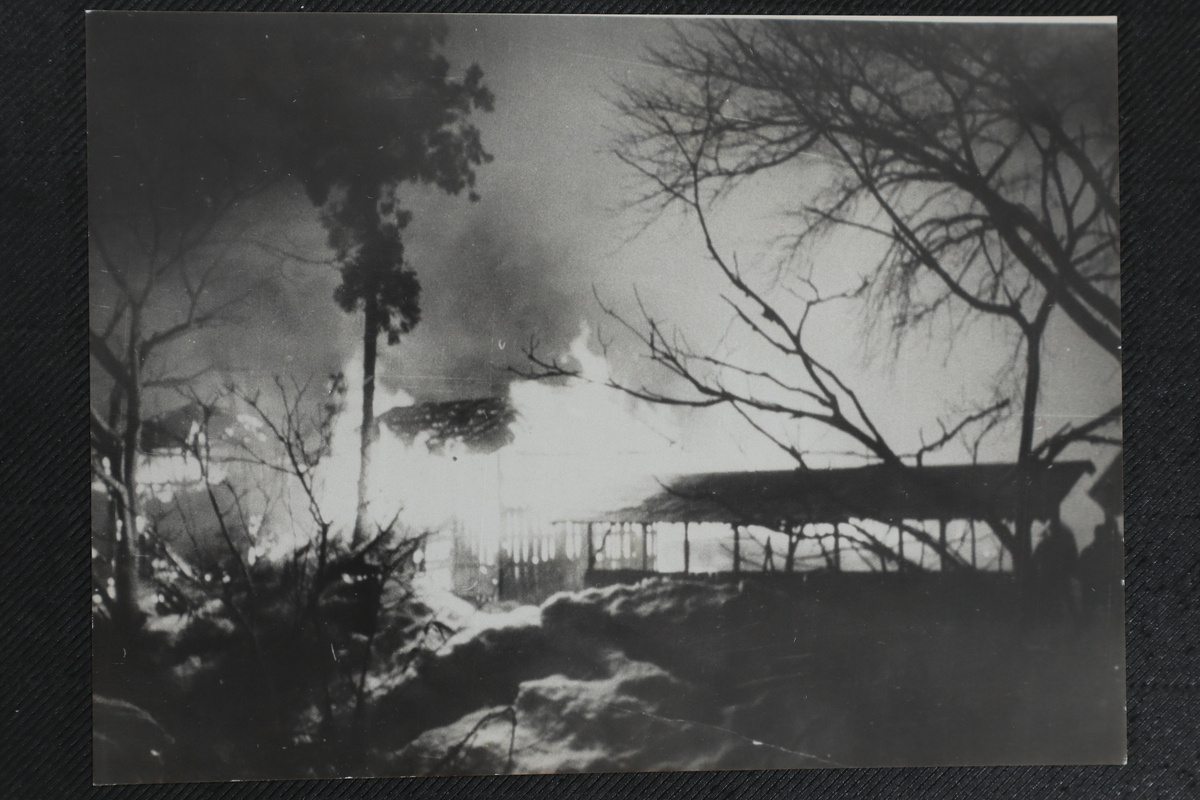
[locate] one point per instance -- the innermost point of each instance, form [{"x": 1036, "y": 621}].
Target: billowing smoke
[
  {"x": 188, "y": 113},
  {"x": 489, "y": 290}
]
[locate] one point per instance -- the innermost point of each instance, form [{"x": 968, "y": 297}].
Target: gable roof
[
  {"x": 481, "y": 424},
  {"x": 969, "y": 491},
  {"x": 171, "y": 430}
]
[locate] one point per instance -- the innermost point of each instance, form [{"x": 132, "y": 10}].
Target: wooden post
[
  {"x": 837, "y": 548},
  {"x": 591, "y": 549},
  {"x": 789, "y": 561},
  {"x": 974, "y": 565},
  {"x": 645, "y": 552},
  {"x": 687, "y": 550},
  {"x": 901, "y": 565},
  {"x": 942, "y": 542},
  {"x": 737, "y": 549}
]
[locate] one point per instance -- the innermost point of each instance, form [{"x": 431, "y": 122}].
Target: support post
[
  {"x": 737, "y": 549},
  {"x": 1000, "y": 559},
  {"x": 591, "y": 549},
  {"x": 687, "y": 550},
  {"x": 942, "y": 542},
  {"x": 974, "y": 564},
  {"x": 645, "y": 552},
  {"x": 837, "y": 548}
]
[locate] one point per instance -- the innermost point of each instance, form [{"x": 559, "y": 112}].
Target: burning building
[
  {"x": 495, "y": 514},
  {"x": 501, "y": 527}
]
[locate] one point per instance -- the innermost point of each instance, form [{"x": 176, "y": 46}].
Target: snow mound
[
  {"x": 480, "y": 666},
  {"x": 690, "y": 628},
  {"x": 618, "y": 678},
  {"x": 445, "y": 606},
  {"x": 481, "y": 627},
  {"x": 655, "y": 601},
  {"x": 638, "y": 718},
  {"x": 127, "y": 743}
]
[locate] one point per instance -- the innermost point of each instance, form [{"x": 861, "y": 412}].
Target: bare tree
[
  {"x": 983, "y": 157},
  {"x": 312, "y": 613},
  {"x": 160, "y": 275}
]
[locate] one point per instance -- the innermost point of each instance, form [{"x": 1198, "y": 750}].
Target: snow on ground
[
  {"x": 639, "y": 717},
  {"x": 552, "y": 689},
  {"x": 127, "y": 743},
  {"x": 446, "y": 606},
  {"x": 694, "y": 674}
]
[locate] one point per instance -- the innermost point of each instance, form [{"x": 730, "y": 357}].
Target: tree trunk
[
  {"x": 1023, "y": 524},
  {"x": 370, "y": 352},
  {"x": 125, "y": 613},
  {"x": 125, "y": 567}
]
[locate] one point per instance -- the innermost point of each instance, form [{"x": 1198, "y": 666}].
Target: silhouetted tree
[
  {"x": 984, "y": 157},
  {"x": 180, "y": 151},
  {"x": 168, "y": 204},
  {"x": 371, "y": 112}
]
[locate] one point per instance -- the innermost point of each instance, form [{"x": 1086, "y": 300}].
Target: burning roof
[
  {"x": 482, "y": 424},
  {"x": 171, "y": 430}
]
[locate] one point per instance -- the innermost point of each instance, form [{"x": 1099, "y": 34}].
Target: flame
[
  {"x": 577, "y": 449},
  {"x": 161, "y": 475},
  {"x": 337, "y": 478}
]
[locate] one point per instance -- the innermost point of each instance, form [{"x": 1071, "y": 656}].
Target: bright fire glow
[{"x": 578, "y": 449}]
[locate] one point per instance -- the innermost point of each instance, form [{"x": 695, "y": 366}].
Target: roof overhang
[{"x": 794, "y": 497}]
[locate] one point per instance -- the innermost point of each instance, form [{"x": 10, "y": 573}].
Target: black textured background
[{"x": 45, "y": 693}]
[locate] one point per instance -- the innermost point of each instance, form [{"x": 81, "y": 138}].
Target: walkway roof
[{"x": 770, "y": 499}]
